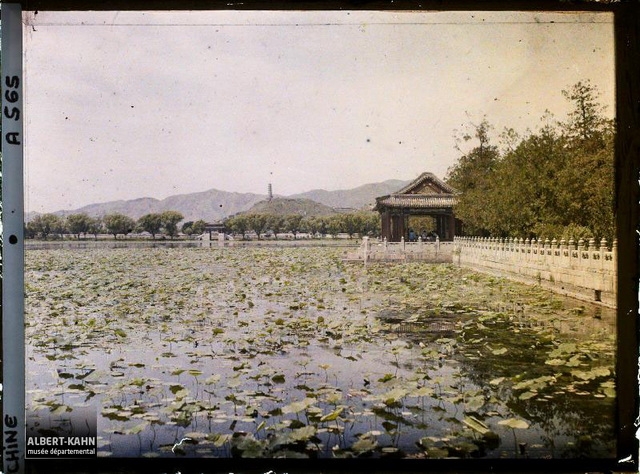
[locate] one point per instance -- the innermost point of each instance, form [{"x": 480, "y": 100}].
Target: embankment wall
[{"x": 585, "y": 270}]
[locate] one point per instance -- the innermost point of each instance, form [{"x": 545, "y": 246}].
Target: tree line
[
  {"x": 81, "y": 225},
  {"x": 555, "y": 182},
  {"x": 45, "y": 226},
  {"x": 352, "y": 223}
]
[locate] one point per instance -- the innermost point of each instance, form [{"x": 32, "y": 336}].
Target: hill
[
  {"x": 214, "y": 205},
  {"x": 211, "y": 206},
  {"x": 357, "y": 198},
  {"x": 285, "y": 206}
]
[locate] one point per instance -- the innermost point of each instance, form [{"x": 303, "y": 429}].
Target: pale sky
[{"x": 123, "y": 105}]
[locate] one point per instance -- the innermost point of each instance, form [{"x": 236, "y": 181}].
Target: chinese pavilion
[{"x": 425, "y": 196}]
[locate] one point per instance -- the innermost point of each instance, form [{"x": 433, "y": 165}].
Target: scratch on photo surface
[
  {"x": 179, "y": 443},
  {"x": 625, "y": 460}
]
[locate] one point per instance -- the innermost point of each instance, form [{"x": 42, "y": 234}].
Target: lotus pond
[{"x": 289, "y": 352}]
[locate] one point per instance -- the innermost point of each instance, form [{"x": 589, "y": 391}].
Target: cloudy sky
[{"x": 122, "y": 105}]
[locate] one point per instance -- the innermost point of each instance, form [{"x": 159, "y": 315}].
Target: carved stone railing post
[
  {"x": 580, "y": 249},
  {"x": 547, "y": 246},
  {"x": 603, "y": 251},
  {"x": 590, "y": 250},
  {"x": 571, "y": 249},
  {"x": 365, "y": 249}
]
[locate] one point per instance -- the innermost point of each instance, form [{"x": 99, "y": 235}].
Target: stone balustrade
[
  {"x": 583, "y": 269},
  {"x": 383, "y": 251}
]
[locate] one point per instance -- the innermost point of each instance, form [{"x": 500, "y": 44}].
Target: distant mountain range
[
  {"x": 356, "y": 198},
  {"x": 215, "y": 205}
]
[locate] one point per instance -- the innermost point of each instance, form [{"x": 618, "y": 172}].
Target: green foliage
[
  {"x": 95, "y": 226},
  {"x": 45, "y": 225},
  {"x": 151, "y": 223},
  {"x": 78, "y": 224},
  {"x": 191, "y": 228},
  {"x": 354, "y": 223},
  {"x": 292, "y": 223},
  {"x": 334, "y": 225},
  {"x": 473, "y": 175},
  {"x": 351, "y": 224},
  {"x": 117, "y": 223},
  {"x": 257, "y": 223},
  {"x": 315, "y": 225},
  {"x": 170, "y": 221},
  {"x": 276, "y": 224},
  {"x": 239, "y": 224},
  {"x": 198, "y": 226},
  {"x": 187, "y": 228},
  {"x": 549, "y": 183}
]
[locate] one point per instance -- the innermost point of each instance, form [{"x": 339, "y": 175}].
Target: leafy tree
[
  {"x": 473, "y": 175},
  {"x": 586, "y": 186},
  {"x": 198, "y": 227},
  {"x": 323, "y": 225},
  {"x": 151, "y": 223},
  {"x": 549, "y": 183},
  {"x": 524, "y": 197},
  {"x": 352, "y": 223},
  {"x": 238, "y": 224},
  {"x": 334, "y": 225},
  {"x": 46, "y": 225},
  {"x": 187, "y": 228},
  {"x": 370, "y": 224},
  {"x": 586, "y": 121},
  {"x": 78, "y": 224},
  {"x": 293, "y": 223},
  {"x": 314, "y": 225},
  {"x": 257, "y": 223},
  {"x": 170, "y": 221},
  {"x": 117, "y": 223},
  {"x": 421, "y": 223},
  {"x": 95, "y": 226},
  {"x": 29, "y": 231},
  {"x": 276, "y": 224}
]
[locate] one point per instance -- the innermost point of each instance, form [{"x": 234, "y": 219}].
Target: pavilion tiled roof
[
  {"x": 410, "y": 196},
  {"x": 427, "y": 177},
  {"x": 417, "y": 201}
]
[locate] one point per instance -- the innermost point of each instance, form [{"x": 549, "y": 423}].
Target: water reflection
[{"x": 312, "y": 358}]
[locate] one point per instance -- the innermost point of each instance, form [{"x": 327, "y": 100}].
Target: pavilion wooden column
[
  {"x": 386, "y": 225},
  {"x": 452, "y": 227}
]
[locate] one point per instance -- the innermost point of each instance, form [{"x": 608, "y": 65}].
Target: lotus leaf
[{"x": 514, "y": 423}]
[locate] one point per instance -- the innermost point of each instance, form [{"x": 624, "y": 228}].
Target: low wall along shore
[
  {"x": 586, "y": 270},
  {"x": 583, "y": 270}
]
